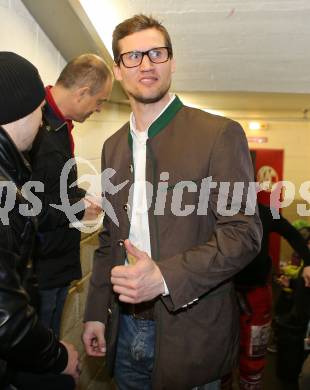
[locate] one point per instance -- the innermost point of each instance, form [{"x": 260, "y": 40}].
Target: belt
[{"x": 139, "y": 311}]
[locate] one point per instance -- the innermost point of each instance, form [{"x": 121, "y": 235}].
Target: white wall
[
  {"x": 20, "y": 33},
  {"x": 90, "y": 135}
]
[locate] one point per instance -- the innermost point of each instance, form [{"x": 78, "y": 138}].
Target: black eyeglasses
[{"x": 157, "y": 55}]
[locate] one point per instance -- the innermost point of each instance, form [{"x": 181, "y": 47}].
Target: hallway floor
[{"x": 271, "y": 382}]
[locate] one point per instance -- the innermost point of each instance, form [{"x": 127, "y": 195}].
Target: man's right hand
[
  {"x": 92, "y": 207},
  {"x": 73, "y": 366},
  {"x": 93, "y": 338}
]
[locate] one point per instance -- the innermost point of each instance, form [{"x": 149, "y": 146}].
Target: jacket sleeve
[
  {"x": 47, "y": 169},
  {"x": 292, "y": 235},
  {"x": 99, "y": 291},
  {"x": 100, "y": 288},
  {"x": 24, "y": 343},
  {"x": 235, "y": 239}
]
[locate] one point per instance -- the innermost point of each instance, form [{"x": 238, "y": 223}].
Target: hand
[
  {"x": 284, "y": 281},
  {"x": 306, "y": 275},
  {"x": 93, "y": 338},
  {"x": 73, "y": 366},
  {"x": 92, "y": 207},
  {"x": 140, "y": 282}
]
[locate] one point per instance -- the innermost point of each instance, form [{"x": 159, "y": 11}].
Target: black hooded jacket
[{"x": 20, "y": 330}]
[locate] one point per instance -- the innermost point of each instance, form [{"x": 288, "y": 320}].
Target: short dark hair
[
  {"x": 135, "y": 24},
  {"x": 85, "y": 70}
]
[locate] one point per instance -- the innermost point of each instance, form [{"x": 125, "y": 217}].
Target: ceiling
[{"x": 231, "y": 53}]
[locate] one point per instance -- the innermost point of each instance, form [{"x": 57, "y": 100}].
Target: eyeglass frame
[{"x": 120, "y": 58}]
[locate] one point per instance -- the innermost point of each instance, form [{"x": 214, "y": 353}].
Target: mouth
[{"x": 148, "y": 80}]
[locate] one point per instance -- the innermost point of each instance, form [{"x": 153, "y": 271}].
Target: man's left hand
[{"x": 140, "y": 282}]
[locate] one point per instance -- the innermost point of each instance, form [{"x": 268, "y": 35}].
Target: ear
[
  {"x": 81, "y": 92},
  {"x": 173, "y": 65},
  {"x": 117, "y": 72}
]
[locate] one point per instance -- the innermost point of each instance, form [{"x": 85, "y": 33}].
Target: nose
[{"x": 146, "y": 63}]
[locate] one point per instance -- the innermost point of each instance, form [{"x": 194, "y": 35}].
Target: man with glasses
[{"x": 161, "y": 303}]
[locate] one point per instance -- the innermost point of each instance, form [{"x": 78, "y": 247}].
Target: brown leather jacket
[{"x": 198, "y": 254}]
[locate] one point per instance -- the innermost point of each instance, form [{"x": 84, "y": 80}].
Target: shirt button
[{"x": 131, "y": 168}]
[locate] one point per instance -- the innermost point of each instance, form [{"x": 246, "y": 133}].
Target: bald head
[
  {"x": 86, "y": 70},
  {"x": 82, "y": 87}
]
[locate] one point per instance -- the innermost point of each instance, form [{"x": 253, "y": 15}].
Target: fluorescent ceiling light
[
  {"x": 253, "y": 125},
  {"x": 104, "y": 15},
  {"x": 258, "y": 125}
]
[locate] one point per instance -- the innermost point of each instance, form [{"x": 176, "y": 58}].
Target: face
[
  {"x": 86, "y": 104},
  {"x": 147, "y": 83},
  {"x": 29, "y": 127}
]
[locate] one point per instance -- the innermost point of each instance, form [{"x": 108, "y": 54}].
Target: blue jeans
[
  {"x": 135, "y": 355},
  {"x": 51, "y": 306}
]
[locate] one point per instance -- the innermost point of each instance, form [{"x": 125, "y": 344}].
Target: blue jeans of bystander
[{"x": 51, "y": 307}]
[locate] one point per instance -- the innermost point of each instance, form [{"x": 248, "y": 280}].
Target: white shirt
[{"x": 139, "y": 233}]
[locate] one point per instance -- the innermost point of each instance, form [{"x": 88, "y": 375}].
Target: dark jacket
[
  {"x": 257, "y": 273},
  {"x": 197, "y": 253},
  {"x": 57, "y": 255},
  {"x": 25, "y": 344}
]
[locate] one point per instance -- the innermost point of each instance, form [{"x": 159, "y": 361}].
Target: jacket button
[
  {"x": 126, "y": 207},
  {"x": 120, "y": 243}
]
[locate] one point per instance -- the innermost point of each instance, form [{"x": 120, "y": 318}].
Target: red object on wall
[{"x": 268, "y": 165}]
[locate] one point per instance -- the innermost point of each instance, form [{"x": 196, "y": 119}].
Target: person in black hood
[{"x": 25, "y": 344}]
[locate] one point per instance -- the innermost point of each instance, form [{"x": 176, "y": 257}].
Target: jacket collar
[
  {"x": 162, "y": 121},
  {"x": 12, "y": 163},
  {"x": 51, "y": 121},
  {"x": 53, "y": 118},
  {"x": 53, "y": 113}
]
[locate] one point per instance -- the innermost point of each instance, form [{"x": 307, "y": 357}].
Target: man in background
[{"x": 81, "y": 89}]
